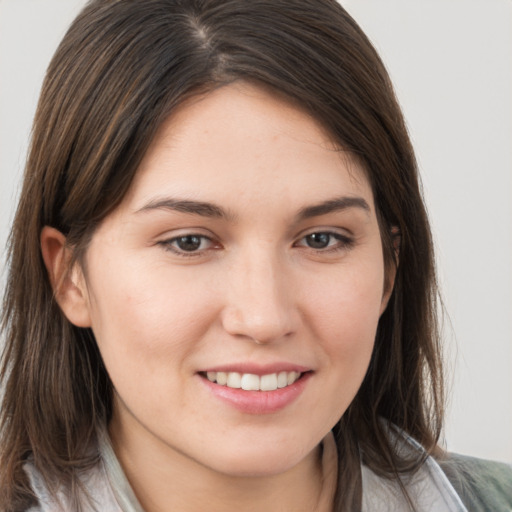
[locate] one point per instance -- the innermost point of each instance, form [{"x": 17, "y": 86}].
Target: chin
[
  {"x": 258, "y": 461},
  {"x": 255, "y": 468}
]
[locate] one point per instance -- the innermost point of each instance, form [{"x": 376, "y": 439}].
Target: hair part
[{"x": 121, "y": 70}]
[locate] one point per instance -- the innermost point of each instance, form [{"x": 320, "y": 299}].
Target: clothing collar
[{"x": 428, "y": 488}]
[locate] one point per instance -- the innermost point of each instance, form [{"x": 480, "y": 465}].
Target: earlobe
[
  {"x": 389, "y": 281},
  {"x": 388, "y": 288},
  {"x": 396, "y": 238},
  {"x": 68, "y": 283}
]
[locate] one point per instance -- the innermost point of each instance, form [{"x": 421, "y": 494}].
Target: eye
[
  {"x": 318, "y": 240},
  {"x": 325, "y": 240},
  {"x": 188, "y": 244}
]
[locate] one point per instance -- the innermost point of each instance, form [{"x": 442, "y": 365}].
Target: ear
[
  {"x": 389, "y": 279},
  {"x": 68, "y": 283},
  {"x": 396, "y": 239}
]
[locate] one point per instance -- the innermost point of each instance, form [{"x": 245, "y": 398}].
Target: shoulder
[{"x": 482, "y": 485}]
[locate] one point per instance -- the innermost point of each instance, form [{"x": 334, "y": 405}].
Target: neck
[{"x": 165, "y": 480}]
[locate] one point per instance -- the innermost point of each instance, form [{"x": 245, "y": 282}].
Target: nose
[{"x": 259, "y": 304}]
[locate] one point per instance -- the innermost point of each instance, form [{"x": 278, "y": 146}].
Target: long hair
[{"x": 122, "y": 68}]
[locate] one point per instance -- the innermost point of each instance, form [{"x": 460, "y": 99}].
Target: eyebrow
[
  {"x": 333, "y": 205},
  {"x": 206, "y": 209},
  {"x": 202, "y": 208}
]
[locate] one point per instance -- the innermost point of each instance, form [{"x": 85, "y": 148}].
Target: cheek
[
  {"x": 344, "y": 317},
  {"x": 143, "y": 318},
  {"x": 147, "y": 330},
  {"x": 346, "y": 308}
]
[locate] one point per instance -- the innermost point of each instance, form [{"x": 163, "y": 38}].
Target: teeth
[
  {"x": 268, "y": 382},
  {"x": 282, "y": 380},
  {"x": 251, "y": 382},
  {"x": 234, "y": 380},
  {"x": 292, "y": 377}
]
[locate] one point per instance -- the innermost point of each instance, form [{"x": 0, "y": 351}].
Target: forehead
[{"x": 242, "y": 144}]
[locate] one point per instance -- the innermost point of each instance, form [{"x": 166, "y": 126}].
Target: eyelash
[
  {"x": 343, "y": 243},
  {"x": 168, "y": 245}
]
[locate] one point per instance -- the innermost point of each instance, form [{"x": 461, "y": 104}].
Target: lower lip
[{"x": 259, "y": 402}]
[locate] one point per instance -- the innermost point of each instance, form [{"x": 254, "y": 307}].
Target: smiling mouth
[{"x": 251, "y": 382}]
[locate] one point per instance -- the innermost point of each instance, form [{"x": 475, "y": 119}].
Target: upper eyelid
[
  {"x": 178, "y": 233},
  {"x": 168, "y": 245},
  {"x": 334, "y": 234},
  {"x": 341, "y": 243},
  {"x": 337, "y": 231},
  {"x": 198, "y": 235}
]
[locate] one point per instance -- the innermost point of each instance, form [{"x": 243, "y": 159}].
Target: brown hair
[{"x": 120, "y": 71}]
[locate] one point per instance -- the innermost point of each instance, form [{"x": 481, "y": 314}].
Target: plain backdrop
[{"x": 451, "y": 63}]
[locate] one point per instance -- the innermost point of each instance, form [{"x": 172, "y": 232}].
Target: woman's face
[{"x": 247, "y": 250}]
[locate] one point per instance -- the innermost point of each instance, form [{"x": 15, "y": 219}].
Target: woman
[{"x": 221, "y": 289}]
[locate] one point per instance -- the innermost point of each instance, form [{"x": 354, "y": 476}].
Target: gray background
[{"x": 451, "y": 62}]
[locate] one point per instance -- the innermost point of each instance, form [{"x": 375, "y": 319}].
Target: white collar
[{"x": 428, "y": 488}]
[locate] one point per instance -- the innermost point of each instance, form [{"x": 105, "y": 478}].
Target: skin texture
[{"x": 254, "y": 292}]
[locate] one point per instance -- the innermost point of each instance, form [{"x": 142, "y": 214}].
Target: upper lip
[{"x": 258, "y": 369}]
